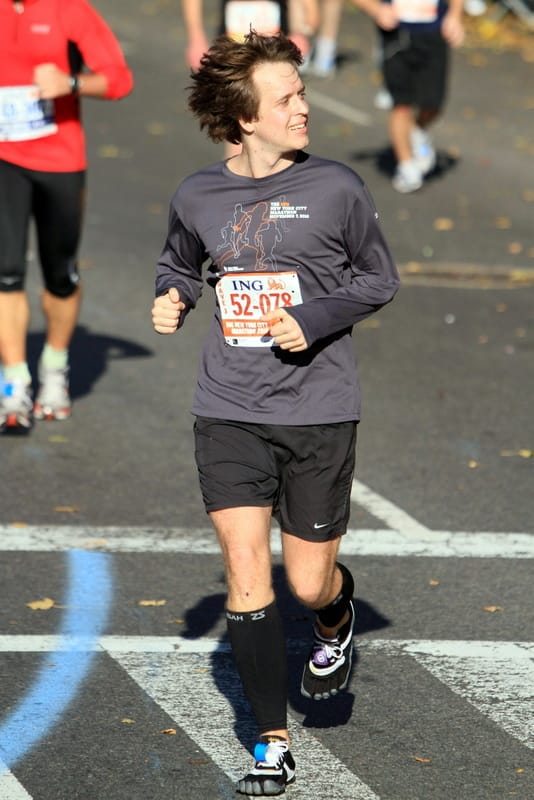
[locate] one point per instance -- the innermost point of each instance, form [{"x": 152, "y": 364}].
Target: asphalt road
[{"x": 102, "y": 513}]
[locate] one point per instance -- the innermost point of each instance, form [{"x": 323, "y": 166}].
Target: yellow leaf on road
[
  {"x": 521, "y": 453},
  {"x": 492, "y": 609},
  {"x": 443, "y": 224},
  {"x": 152, "y": 602},
  {"x": 41, "y": 605}
]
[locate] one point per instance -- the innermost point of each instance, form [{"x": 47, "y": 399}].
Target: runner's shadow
[
  {"x": 90, "y": 354},
  {"x": 385, "y": 162},
  {"x": 298, "y": 623}
]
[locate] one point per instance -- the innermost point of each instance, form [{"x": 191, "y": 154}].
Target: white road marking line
[
  {"x": 339, "y": 109},
  {"x": 372, "y": 542},
  {"x": 388, "y": 512},
  {"x": 10, "y": 788},
  {"x": 495, "y": 677},
  {"x": 453, "y": 648},
  {"x": 203, "y": 702}
]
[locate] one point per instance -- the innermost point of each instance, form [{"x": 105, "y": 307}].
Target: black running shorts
[
  {"x": 55, "y": 201},
  {"x": 415, "y": 68},
  {"x": 303, "y": 472}
]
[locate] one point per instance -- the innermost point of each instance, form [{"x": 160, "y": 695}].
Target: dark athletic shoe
[
  {"x": 273, "y": 771},
  {"x": 327, "y": 670}
]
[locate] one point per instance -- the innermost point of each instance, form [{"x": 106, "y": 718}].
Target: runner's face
[{"x": 282, "y": 124}]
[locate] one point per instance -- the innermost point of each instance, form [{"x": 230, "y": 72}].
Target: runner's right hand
[{"x": 166, "y": 311}]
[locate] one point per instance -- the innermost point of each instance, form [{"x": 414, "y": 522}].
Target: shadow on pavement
[
  {"x": 90, "y": 354},
  {"x": 384, "y": 161}
]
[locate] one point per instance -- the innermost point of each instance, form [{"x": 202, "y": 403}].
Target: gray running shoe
[
  {"x": 53, "y": 400},
  {"x": 408, "y": 177},
  {"x": 423, "y": 150},
  {"x": 16, "y": 406},
  {"x": 327, "y": 670}
]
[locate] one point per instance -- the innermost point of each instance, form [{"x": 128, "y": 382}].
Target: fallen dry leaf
[
  {"x": 433, "y": 582},
  {"x": 66, "y": 509},
  {"x": 523, "y": 453},
  {"x": 90, "y": 544},
  {"x": 41, "y": 605},
  {"x": 421, "y": 760},
  {"x": 443, "y": 224},
  {"x": 492, "y": 609},
  {"x": 108, "y": 151},
  {"x": 157, "y": 128},
  {"x": 169, "y": 731},
  {"x": 503, "y": 222},
  {"x": 472, "y": 464},
  {"x": 152, "y": 602},
  {"x": 128, "y": 721},
  {"x": 514, "y": 248}
]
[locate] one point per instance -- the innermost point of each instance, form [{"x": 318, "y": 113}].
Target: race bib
[
  {"x": 245, "y": 297},
  {"x": 417, "y": 10},
  {"x": 23, "y": 115},
  {"x": 261, "y": 15}
]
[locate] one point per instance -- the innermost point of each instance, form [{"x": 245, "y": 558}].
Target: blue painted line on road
[{"x": 87, "y": 606}]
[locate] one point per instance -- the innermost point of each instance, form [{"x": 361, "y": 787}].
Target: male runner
[{"x": 297, "y": 257}]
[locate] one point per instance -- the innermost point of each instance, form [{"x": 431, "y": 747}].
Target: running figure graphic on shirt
[{"x": 254, "y": 230}]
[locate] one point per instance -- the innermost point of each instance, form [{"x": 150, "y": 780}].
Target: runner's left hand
[
  {"x": 51, "y": 81},
  {"x": 285, "y": 330}
]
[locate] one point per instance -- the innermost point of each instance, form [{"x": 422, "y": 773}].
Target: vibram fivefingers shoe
[
  {"x": 328, "y": 668},
  {"x": 273, "y": 771},
  {"x": 53, "y": 401},
  {"x": 16, "y": 408}
]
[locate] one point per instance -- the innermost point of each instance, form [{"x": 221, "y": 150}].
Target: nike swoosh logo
[{"x": 322, "y": 525}]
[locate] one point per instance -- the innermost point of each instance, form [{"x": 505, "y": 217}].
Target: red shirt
[{"x": 39, "y": 35}]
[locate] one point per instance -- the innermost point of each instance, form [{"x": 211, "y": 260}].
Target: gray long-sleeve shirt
[{"x": 315, "y": 219}]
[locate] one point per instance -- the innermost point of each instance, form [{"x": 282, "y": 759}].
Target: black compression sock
[
  {"x": 332, "y": 614},
  {"x": 259, "y": 649}
]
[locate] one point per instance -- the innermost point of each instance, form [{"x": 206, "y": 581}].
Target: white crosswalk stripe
[
  {"x": 177, "y": 673},
  {"x": 495, "y": 677}
]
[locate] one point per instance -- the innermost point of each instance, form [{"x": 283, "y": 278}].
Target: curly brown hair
[{"x": 223, "y": 90}]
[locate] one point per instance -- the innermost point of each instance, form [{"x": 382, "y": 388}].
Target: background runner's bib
[
  {"x": 417, "y": 10},
  {"x": 245, "y": 297},
  {"x": 262, "y": 15},
  {"x": 23, "y": 115}
]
